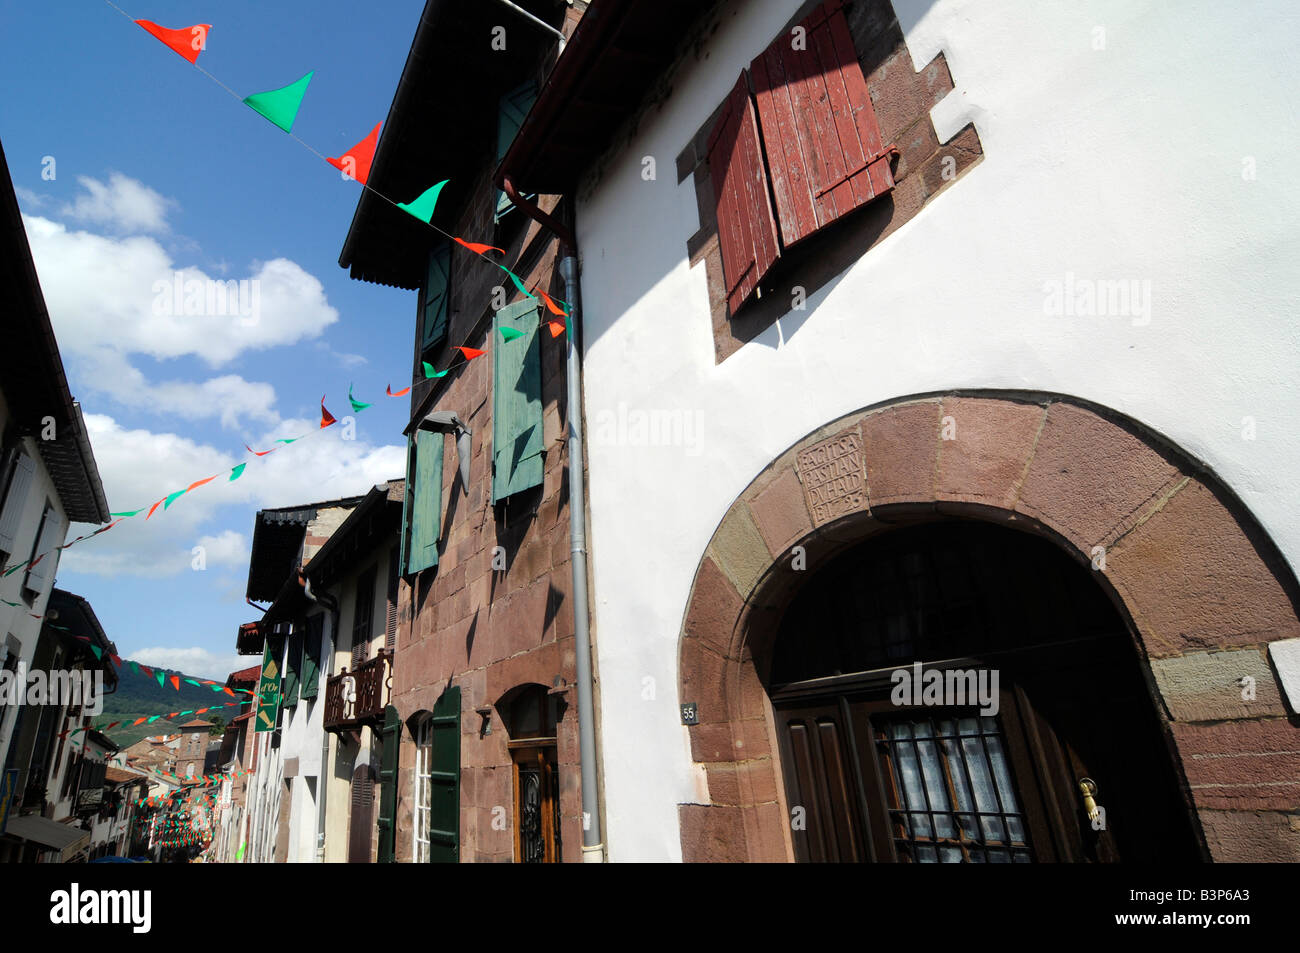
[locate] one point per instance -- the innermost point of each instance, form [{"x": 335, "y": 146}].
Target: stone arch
[{"x": 1201, "y": 587}]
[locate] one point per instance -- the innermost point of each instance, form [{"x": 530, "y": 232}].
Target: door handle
[{"x": 1088, "y": 791}]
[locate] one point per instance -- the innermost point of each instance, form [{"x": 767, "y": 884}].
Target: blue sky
[{"x": 158, "y": 169}]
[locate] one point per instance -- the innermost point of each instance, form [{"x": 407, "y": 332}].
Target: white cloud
[
  {"x": 193, "y": 661},
  {"x": 139, "y": 467},
  {"x": 124, "y": 204},
  {"x": 127, "y": 295},
  {"x": 28, "y": 198}
]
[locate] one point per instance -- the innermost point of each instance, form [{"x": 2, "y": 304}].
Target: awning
[{"x": 64, "y": 838}]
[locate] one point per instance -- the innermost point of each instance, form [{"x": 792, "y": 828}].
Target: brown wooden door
[
  {"x": 537, "y": 804},
  {"x": 361, "y": 821}
]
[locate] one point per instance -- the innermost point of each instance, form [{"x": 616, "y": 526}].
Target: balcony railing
[{"x": 357, "y": 698}]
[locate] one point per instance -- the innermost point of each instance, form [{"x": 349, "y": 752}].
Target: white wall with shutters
[
  {"x": 15, "y": 502},
  {"x": 1137, "y": 160}
]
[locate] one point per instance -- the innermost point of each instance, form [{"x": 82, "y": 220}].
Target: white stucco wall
[{"x": 1120, "y": 163}]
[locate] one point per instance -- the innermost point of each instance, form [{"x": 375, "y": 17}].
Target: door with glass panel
[{"x": 1062, "y": 761}]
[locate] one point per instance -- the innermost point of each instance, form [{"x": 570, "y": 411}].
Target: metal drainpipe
[
  {"x": 593, "y": 848},
  {"x": 322, "y": 782}
]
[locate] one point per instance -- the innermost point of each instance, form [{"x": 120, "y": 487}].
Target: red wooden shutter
[
  {"x": 823, "y": 140},
  {"x": 746, "y": 226}
]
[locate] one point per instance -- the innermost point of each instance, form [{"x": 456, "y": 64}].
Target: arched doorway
[
  {"x": 943, "y": 692},
  {"x": 531, "y": 714},
  {"x": 1200, "y": 589}
]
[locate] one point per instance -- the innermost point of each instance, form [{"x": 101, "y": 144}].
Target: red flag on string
[
  {"x": 479, "y": 248},
  {"x": 404, "y": 390},
  {"x": 152, "y": 508},
  {"x": 326, "y": 418},
  {"x": 471, "y": 352},
  {"x": 256, "y": 453},
  {"x": 557, "y": 328},
  {"x": 198, "y": 483},
  {"x": 550, "y": 303},
  {"x": 188, "y": 41},
  {"x": 147, "y": 671},
  {"x": 355, "y": 163},
  {"x": 176, "y": 682}
]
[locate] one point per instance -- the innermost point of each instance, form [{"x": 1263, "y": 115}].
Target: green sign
[{"x": 268, "y": 692}]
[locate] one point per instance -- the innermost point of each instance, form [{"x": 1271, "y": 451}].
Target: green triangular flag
[
  {"x": 422, "y": 208},
  {"x": 357, "y": 406},
  {"x": 131, "y": 513},
  {"x": 191, "y": 681},
  {"x": 429, "y": 372},
  {"x": 161, "y": 678},
  {"x": 135, "y": 668},
  {"x": 172, "y": 498},
  {"x": 99, "y": 653},
  {"x": 281, "y": 105},
  {"x": 153, "y": 719},
  {"x": 518, "y": 284},
  {"x": 510, "y": 334},
  {"x": 288, "y": 439},
  {"x": 237, "y": 472}
]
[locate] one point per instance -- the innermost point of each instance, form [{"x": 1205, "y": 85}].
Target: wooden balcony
[{"x": 357, "y": 698}]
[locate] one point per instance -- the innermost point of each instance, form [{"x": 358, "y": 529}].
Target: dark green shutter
[
  {"x": 513, "y": 110},
  {"x": 392, "y": 736},
  {"x": 422, "y": 506},
  {"x": 437, "y": 284},
  {"x": 444, "y": 791},
  {"x": 292, "y": 669},
  {"x": 516, "y": 401},
  {"x": 311, "y": 657}
]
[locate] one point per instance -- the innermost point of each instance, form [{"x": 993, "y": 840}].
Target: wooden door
[
  {"x": 361, "y": 821},
  {"x": 537, "y": 804}
]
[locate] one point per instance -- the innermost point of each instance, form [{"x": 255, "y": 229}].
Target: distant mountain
[{"x": 139, "y": 694}]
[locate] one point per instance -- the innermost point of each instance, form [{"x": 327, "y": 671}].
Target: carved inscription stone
[{"x": 832, "y": 474}]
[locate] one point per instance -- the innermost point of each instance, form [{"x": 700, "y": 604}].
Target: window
[
  {"x": 423, "y": 787},
  {"x": 363, "y": 616},
  {"x": 292, "y": 669},
  {"x": 422, "y": 504},
  {"x": 795, "y": 147},
  {"x": 310, "y": 682},
  {"x": 517, "y": 444},
  {"x": 391, "y": 738},
  {"x": 510, "y": 118},
  {"x": 40, "y": 571},
  {"x": 444, "y": 779},
  {"x": 390, "y": 621},
  {"x": 435, "y": 300},
  {"x": 18, "y": 472}
]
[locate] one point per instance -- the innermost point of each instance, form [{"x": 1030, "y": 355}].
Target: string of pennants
[{"x": 280, "y": 107}]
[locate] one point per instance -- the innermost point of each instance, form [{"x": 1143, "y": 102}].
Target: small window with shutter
[
  {"x": 292, "y": 669},
  {"x": 823, "y": 142},
  {"x": 516, "y": 402},
  {"x": 390, "y": 622},
  {"x": 363, "y": 614},
  {"x": 746, "y": 227},
  {"x": 44, "y": 558},
  {"x": 435, "y": 299},
  {"x": 795, "y": 147},
  {"x": 311, "y": 649},
  {"x": 510, "y": 118},
  {"x": 19, "y": 481},
  {"x": 422, "y": 501}
]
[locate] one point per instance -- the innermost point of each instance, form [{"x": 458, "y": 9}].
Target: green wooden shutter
[
  {"x": 516, "y": 401},
  {"x": 422, "y": 506},
  {"x": 292, "y": 669},
  {"x": 444, "y": 793},
  {"x": 513, "y": 109},
  {"x": 437, "y": 286},
  {"x": 392, "y": 736},
  {"x": 310, "y": 684}
]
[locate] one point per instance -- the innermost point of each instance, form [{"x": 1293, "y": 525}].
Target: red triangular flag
[
  {"x": 147, "y": 671},
  {"x": 557, "y": 328},
  {"x": 404, "y": 390},
  {"x": 480, "y": 249},
  {"x": 326, "y": 418},
  {"x": 256, "y": 453},
  {"x": 152, "y": 508},
  {"x": 197, "y": 483},
  {"x": 176, "y": 681},
  {"x": 555, "y": 308},
  {"x": 188, "y": 41},
  {"x": 356, "y": 161},
  {"x": 471, "y": 352},
  {"x": 138, "y": 721}
]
